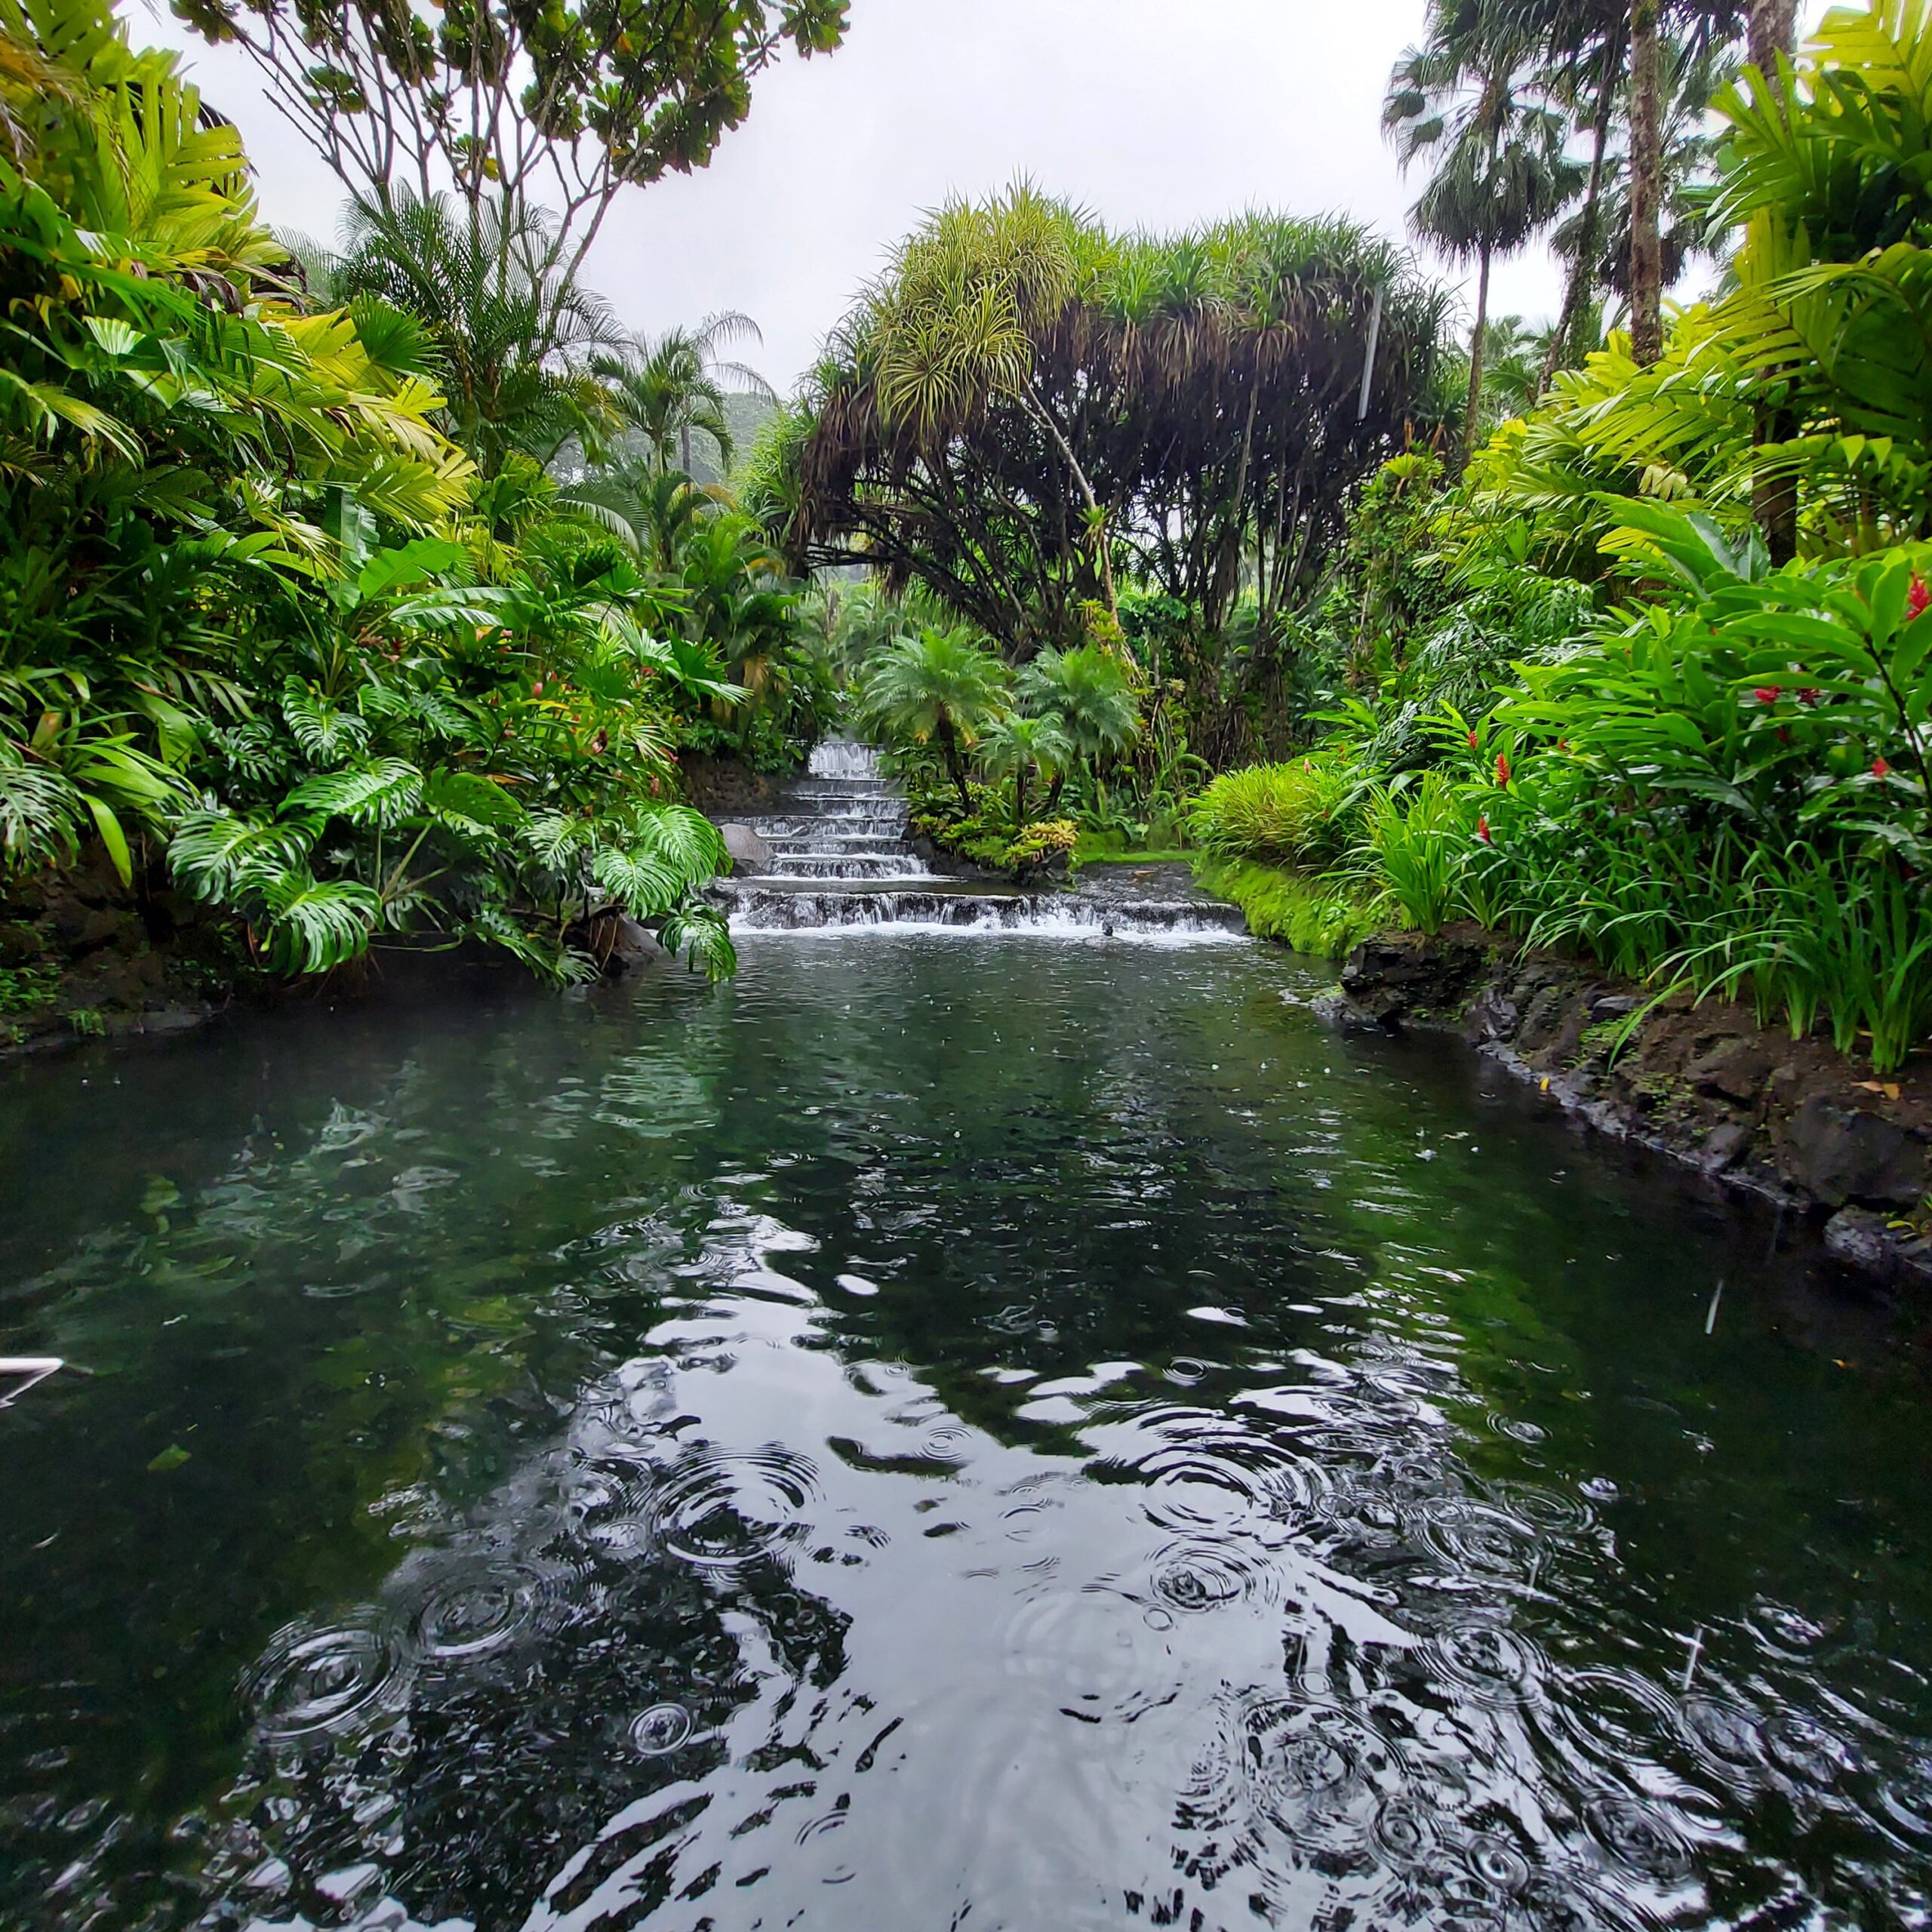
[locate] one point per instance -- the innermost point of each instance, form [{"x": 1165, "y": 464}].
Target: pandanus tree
[
  {"x": 942, "y": 688},
  {"x": 1025, "y": 404},
  {"x": 1471, "y": 103}
]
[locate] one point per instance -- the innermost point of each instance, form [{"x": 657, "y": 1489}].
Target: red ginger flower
[
  {"x": 1502, "y": 767},
  {"x": 1472, "y": 741},
  {"x": 1482, "y": 829},
  {"x": 1917, "y": 597},
  {"x": 1767, "y": 693},
  {"x": 1879, "y": 767}
]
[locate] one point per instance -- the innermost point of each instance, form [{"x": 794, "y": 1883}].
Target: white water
[
  {"x": 840, "y": 758},
  {"x": 842, "y": 860}
]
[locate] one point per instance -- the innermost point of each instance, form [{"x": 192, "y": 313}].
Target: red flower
[
  {"x": 1482, "y": 829},
  {"x": 1879, "y": 767},
  {"x": 1767, "y": 693},
  {"x": 1810, "y": 694},
  {"x": 1502, "y": 767},
  {"x": 1472, "y": 741},
  {"x": 537, "y": 689},
  {"x": 1917, "y": 597}
]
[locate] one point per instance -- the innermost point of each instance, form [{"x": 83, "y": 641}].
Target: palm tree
[
  {"x": 1512, "y": 363},
  {"x": 655, "y": 511},
  {"x": 937, "y": 687},
  {"x": 1089, "y": 693},
  {"x": 666, "y": 388},
  {"x": 954, "y": 329},
  {"x": 1469, "y": 101},
  {"x": 1614, "y": 62},
  {"x": 513, "y": 330},
  {"x": 1016, "y": 746},
  {"x": 1584, "y": 46}
]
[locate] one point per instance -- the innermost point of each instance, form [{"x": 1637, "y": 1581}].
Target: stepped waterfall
[{"x": 841, "y": 853}]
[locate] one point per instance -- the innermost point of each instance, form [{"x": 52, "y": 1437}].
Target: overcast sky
[{"x": 1150, "y": 113}]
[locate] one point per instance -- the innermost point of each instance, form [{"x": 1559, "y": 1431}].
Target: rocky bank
[{"x": 1794, "y": 1120}]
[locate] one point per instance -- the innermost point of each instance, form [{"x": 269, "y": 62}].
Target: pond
[{"x": 974, "y": 1432}]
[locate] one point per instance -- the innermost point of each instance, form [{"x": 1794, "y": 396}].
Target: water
[
  {"x": 842, "y": 854},
  {"x": 1020, "y": 1434}
]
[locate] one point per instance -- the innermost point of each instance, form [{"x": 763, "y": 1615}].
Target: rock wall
[
  {"x": 83, "y": 954},
  {"x": 1793, "y": 1119}
]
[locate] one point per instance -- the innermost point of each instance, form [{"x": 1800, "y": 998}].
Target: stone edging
[{"x": 1795, "y": 1121}]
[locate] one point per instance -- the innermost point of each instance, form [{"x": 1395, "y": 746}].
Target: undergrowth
[{"x": 1309, "y": 914}]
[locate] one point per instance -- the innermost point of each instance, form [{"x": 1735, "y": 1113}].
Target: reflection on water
[{"x": 1006, "y": 1436}]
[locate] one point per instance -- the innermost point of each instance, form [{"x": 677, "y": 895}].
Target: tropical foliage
[
  {"x": 1590, "y": 702},
  {"x": 290, "y": 605},
  {"x": 562, "y": 106},
  {"x": 1026, "y": 413}
]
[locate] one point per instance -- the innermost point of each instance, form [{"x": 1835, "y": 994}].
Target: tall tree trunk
[
  {"x": 1773, "y": 494},
  {"x": 1773, "y": 30},
  {"x": 1019, "y": 795},
  {"x": 1646, "y": 184},
  {"x": 1099, "y": 527},
  {"x": 685, "y": 445},
  {"x": 948, "y": 749},
  {"x": 1471, "y": 408},
  {"x": 1583, "y": 270}
]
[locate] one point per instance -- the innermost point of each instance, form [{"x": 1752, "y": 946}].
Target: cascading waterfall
[{"x": 839, "y": 854}]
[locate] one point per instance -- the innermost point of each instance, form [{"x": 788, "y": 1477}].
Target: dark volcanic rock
[
  {"x": 1838, "y": 1152},
  {"x": 1796, "y": 1120},
  {"x": 1737, "y": 1067},
  {"x": 1335, "y": 1008},
  {"x": 1404, "y": 974},
  {"x": 723, "y": 788}
]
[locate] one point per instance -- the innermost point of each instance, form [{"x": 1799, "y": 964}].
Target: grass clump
[{"x": 1303, "y": 813}]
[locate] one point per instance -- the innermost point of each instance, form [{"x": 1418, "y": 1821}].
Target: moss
[
  {"x": 1307, "y": 914},
  {"x": 1115, "y": 848}
]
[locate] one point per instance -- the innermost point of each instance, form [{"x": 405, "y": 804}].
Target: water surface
[{"x": 974, "y": 1433}]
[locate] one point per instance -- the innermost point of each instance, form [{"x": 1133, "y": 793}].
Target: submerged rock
[{"x": 1335, "y": 1008}]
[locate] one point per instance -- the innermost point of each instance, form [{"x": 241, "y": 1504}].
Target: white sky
[{"x": 1149, "y": 113}]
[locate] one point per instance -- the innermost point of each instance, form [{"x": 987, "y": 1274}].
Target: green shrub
[{"x": 1303, "y": 813}]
